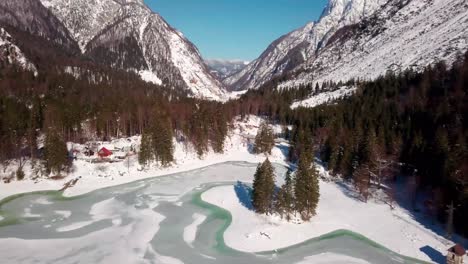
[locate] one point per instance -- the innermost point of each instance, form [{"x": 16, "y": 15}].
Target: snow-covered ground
[
  {"x": 330, "y": 258},
  {"x": 92, "y": 176},
  {"x": 190, "y": 231},
  {"x": 325, "y": 97},
  {"x": 149, "y": 76},
  {"x": 338, "y": 209}
]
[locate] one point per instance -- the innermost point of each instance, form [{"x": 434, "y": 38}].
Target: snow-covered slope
[
  {"x": 325, "y": 97},
  {"x": 11, "y": 54},
  {"x": 364, "y": 39},
  {"x": 413, "y": 35},
  {"x": 293, "y": 49},
  {"x": 126, "y": 34},
  {"x": 32, "y": 17}
]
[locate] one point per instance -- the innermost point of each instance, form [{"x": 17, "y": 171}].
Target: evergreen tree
[
  {"x": 263, "y": 188},
  {"x": 361, "y": 180},
  {"x": 55, "y": 155},
  {"x": 161, "y": 141},
  {"x": 306, "y": 189},
  {"x": 264, "y": 140},
  {"x": 145, "y": 156},
  {"x": 218, "y": 131},
  {"x": 285, "y": 199}
]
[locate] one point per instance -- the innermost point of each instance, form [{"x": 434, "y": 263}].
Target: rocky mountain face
[
  {"x": 225, "y": 68},
  {"x": 363, "y": 39},
  {"x": 123, "y": 34}
]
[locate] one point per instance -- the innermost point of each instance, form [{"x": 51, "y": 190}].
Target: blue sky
[{"x": 236, "y": 29}]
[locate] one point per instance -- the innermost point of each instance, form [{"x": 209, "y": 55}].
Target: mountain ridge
[
  {"x": 342, "y": 34},
  {"x": 122, "y": 34}
]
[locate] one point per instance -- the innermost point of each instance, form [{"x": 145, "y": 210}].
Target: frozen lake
[{"x": 146, "y": 222}]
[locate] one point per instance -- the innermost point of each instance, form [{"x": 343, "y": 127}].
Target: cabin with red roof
[
  {"x": 104, "y": 153},
  {"x": 456, "y": 254}
]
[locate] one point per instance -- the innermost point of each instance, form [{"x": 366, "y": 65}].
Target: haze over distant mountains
[{"x": 224, "y": 68}]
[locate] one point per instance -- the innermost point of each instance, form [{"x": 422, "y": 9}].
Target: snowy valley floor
[
  {"x": 338, "y": 208},
  {"x": 395, "y": 229}
]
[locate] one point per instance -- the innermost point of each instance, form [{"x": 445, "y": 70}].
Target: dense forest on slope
[
  {"x": 412, "y": 124},
  {"x": 97, "y": 105}
]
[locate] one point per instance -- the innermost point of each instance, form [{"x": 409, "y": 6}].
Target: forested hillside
[
  {"x": 412, "y": 124},
  {"x": 96, "y": 105}
]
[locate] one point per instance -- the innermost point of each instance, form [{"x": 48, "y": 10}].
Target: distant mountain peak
[{"x": 223, "y": 68}]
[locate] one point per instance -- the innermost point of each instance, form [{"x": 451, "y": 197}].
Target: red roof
[
  {"x": 458, "y": 250},
  {"x": 104, "y": 152}
]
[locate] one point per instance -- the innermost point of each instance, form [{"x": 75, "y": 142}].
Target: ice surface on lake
[{"x": 140, "y": 222}]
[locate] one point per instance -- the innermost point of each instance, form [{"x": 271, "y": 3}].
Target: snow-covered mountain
[
  {"x": 225, "y": 68},
  {"x": 32, "y": 17},
  {"x": 127, "y": 34},
  {"x": 363, "y": 39},
  {"x": 123, "y": 34},
  {"x": 11, "y": 54}
]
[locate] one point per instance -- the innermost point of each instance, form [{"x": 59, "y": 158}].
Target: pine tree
[
  {"x": 55, "y": 156},
  {"x": 218, "y": 131},
  {"x": 264, "y": 140},
  {"x": 263, "y": 188},
  {"x": 161, "y": 141},
  {"x": 361, "y": 179},
  {"x": 306, "y": 189},
  {"x": 145, "y": 156},
  {"x": 285, "y": 201}
]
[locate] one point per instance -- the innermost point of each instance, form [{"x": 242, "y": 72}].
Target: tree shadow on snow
[
  {"x": 244, "y": 194},
  {"x": 348, "y": 190},
  {"x": 434, "y": 254},
  {"x": 251, "y": 147},
  {"x": 284, "y": 149},
  {"x": 418, "y": 210}
]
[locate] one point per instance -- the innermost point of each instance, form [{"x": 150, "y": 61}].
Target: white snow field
[
  {"x": 325, "y": 97},
  {"x": 331, "y": 258},
  {"x": 191, "y": 231},
  {"x": 395, "y": 229}
]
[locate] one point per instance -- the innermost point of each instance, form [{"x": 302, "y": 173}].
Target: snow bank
[
  {"x": 331, "y": 258},
  {"x": 190, "y": 231},
  {"x": 337, "y": 210}
]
